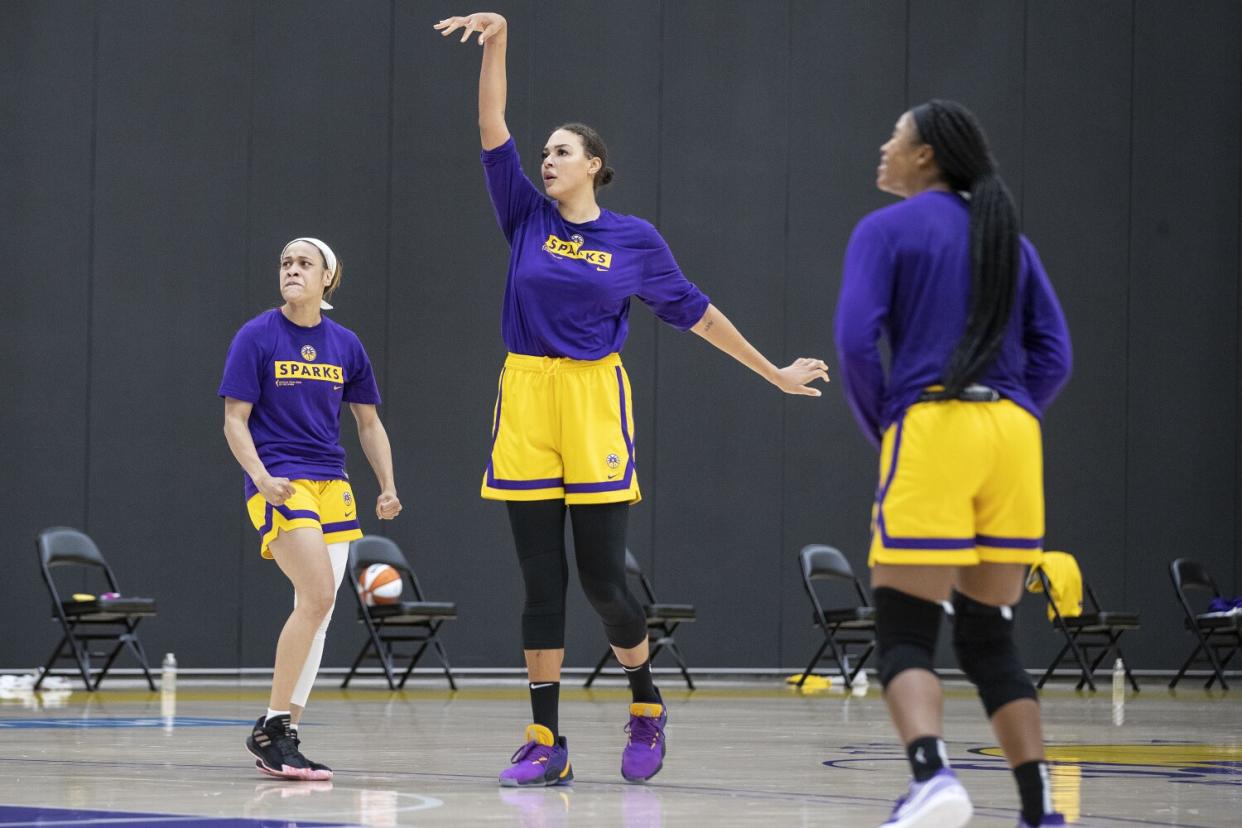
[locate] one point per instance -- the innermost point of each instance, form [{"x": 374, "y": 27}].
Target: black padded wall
[{"x": 156, "y": 156}]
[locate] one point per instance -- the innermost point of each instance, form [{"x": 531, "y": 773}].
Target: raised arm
[{"x": 493, "y": 83}]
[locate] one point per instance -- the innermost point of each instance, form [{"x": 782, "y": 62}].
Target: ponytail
[{"x": 961, "y": 151}]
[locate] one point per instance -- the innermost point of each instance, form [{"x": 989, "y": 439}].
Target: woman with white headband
[{"x": 287, "y": 373}]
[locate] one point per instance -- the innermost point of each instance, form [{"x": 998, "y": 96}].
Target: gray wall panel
[
  {"x": 1078, "y": 56},
  {"x": 748, "y": 135},
  {"x": 170, "y": 229},
  {"x": 1184, "y": 248},
  {"x": 320, "y": 167},
  {"x": 972, "y": 51},
  {"x": 849, "y": 87},
  {"x": 724, "y": 141},
  {"x": 46, "y": 62},
  {"x": 448, "y": 275}
]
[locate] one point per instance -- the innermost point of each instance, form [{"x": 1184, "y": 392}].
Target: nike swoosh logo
[
  {"x": 337, "y": 387},
  {"x": 349, "y": 514},
  {"x": 614, "y": 474},
  {"x": 546, "y": 684}
]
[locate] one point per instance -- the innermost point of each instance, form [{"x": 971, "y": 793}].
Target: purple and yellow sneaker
[
  {"x": 939, "y": 802},
  {"x": 541, "y": 762},
  {"x": 1045, "y": 820},
  {"x": 644, "y": 754}
]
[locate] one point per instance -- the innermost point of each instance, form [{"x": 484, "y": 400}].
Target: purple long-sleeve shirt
[
  {"x": 569, "y": 285},
  {"x": 907, "y": 278}
]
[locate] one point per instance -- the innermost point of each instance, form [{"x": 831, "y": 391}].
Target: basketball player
[
  {"x": 979, "y": 349},
  {"x": 563, "y": 433},
  {"x": 287, "y": 373}
]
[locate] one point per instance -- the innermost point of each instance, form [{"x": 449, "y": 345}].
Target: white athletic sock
[{"x": 271, "y": 714}]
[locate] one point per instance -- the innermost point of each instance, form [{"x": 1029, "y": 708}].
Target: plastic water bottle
[
  {"x": 168, "y": 676},
  {"x": 1119, "y": 693}
]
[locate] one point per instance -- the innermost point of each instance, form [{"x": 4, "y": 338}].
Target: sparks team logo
[
  {"x": 293, "y": 370},
  {"x": 572, "y": 249},
  {"x": 308, "y": 353},
  {"x": 613, "y": 461},
  {"x": 347, "y": 498}
]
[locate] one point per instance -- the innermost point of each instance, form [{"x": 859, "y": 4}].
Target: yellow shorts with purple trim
[
  {"x": 326, "y": 505},
  {"x": 562, "y": 429},
  {"x": 961, "y": 483}
]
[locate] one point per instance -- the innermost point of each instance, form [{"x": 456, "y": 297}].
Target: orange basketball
[{"x": 380, "y": 584}]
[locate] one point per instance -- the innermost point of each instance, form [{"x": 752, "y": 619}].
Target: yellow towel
[{"x": 1065, "y": 579}]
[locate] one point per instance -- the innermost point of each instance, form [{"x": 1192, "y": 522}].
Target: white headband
[{"x": 328, "y": 256}]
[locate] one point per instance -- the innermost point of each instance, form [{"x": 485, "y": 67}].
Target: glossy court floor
[{"x": 739, "y": 754}]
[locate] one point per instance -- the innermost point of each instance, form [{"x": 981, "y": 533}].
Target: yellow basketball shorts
[
  {"x": 562, "y": 428},
  {"x": 326, "y": 505},
  {"x": 960, "y": 483}
]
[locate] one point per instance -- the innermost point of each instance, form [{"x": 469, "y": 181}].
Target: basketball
[{"x": 380, "y": 584}]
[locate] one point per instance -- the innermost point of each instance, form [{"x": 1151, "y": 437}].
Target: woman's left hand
[
  {"x": 388, "y": 506},
  {"x": 796, "y": 377}
]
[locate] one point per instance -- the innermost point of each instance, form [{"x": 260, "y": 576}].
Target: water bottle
[
  {"x": 1119, "y": 693},
  {"x": 168, "y": 676}
]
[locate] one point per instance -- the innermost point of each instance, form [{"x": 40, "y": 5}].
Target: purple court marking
[
  {"x": 21, "y": 815},
  {"x": 118, "y": 721},
  {"x": 704, "y": 790}
]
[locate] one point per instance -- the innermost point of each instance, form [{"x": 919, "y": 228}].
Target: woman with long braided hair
[{"x": 979, "y": 348}]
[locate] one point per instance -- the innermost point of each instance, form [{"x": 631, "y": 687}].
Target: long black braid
[{"x": 962, "y": 152}]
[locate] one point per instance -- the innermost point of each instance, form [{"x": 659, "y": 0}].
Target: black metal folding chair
[
  {"x": 1094, "y": 629},
  {"x": 417, "y": 621},
  {"x": 113, "y": 620},
  {"x": 847, "y": 626},
  {"x": 1218, "y": 636},
  {"x": 662, "y": 621}
]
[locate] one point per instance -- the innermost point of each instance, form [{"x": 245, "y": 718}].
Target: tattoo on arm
[{"x": 707, "y": 326}]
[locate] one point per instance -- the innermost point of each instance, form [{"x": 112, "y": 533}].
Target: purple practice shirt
[
  {"x": 297, "y": 379},
  {"x": 907, "y": 277},
  {"x": 569, "y": 285}
]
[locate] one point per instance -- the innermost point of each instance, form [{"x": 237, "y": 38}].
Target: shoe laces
[
  {"x": 532, "y": 750},
  {"x": 643, "y": 730},
  {"x": 286, "y": 741}
]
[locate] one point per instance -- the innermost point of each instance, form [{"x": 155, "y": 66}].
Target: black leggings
[{"x": 599, "y": 547}]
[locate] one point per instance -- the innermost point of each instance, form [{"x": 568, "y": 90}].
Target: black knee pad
[
  {"x": 625, "y": 625},
  {"x": 543, "y": 615},
  {"x": 543, "y": 627},
  {"x": 983, "y": 641},
  {"x": 905, "y": 632}
]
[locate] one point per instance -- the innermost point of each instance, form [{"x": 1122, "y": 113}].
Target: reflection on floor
[{"x": 739, "y": 754}]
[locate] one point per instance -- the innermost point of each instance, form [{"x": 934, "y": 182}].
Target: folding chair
[
  {"x": 1218, "y": 635},
  {"x": 1094, "y": 629},
  {"x": 662, "y": 621},
  {"x": 843, "y": 627},
  {"x": 83, "y": 622},
  {"x": 387, "y": 624}
]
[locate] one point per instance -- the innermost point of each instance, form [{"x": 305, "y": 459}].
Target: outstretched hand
[
  {"x": 489, "y": 25},
  {"x": 796, "y": 377}
]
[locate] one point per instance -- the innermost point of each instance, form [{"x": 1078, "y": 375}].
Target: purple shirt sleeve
[
  {"x": 1045, "y": 334},
  {"x": 360, "y": 387},
  {"x": 513, "y": 196},
  {"x": 866, "y": 291},
  {"x": 243, "y": 368},
  {"x": 667, "y": 291}
]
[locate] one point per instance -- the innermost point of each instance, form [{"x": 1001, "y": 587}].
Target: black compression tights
[{"x": 599, "y": 546}]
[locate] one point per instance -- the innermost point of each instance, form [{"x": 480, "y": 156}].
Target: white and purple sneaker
[
  {"x": 940, "y": 802},
  {"x": 1045, "y": 820}
]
